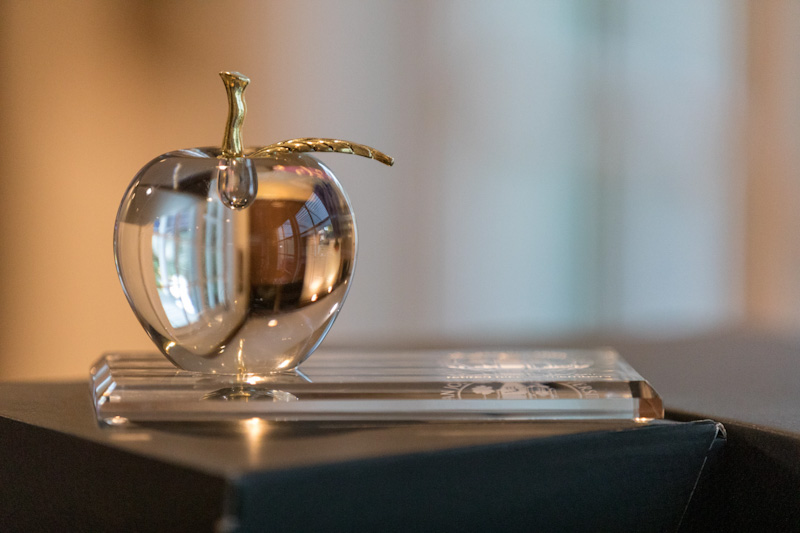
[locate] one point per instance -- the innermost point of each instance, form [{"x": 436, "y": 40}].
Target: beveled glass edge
[{"x": 645, "y": 404}]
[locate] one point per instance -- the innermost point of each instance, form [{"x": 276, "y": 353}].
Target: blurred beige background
[{"x": 562, "y": 167}]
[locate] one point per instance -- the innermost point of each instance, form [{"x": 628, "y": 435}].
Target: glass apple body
[{"x": 235, "y": 266}]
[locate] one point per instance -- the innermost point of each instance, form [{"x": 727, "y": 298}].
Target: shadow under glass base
[{"x": 380, "y": 386}]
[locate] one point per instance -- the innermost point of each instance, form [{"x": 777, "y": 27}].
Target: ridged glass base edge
[{"x": 381, "y": 386}]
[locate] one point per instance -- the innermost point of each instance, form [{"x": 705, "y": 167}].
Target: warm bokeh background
[{"x": 562, "y": 167}]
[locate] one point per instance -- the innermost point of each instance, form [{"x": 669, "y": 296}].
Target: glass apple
[{"x": 237, "y": 261}]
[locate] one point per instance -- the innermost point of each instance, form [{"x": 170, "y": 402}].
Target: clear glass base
[{"x": 378, "y": 386}]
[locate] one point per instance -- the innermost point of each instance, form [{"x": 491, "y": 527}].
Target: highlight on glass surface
[{"x": 234, "y": 260}]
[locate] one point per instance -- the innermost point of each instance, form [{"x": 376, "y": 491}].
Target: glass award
[
  {"x": 236, "y": 261},
  {"x": 377, "y": 386}
]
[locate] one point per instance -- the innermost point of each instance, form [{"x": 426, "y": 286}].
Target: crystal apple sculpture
[{"x": 234, "y": 260}]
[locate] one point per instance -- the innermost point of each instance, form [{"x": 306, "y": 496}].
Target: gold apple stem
[{"x": 235, "y": 85}]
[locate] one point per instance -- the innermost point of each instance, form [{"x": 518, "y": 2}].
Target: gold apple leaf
[{"x": 312, "y": 144}]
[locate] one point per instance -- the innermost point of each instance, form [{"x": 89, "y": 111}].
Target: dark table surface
[
  {"x": 739, "y": 377},
  {"x": 745, "y": 379}
]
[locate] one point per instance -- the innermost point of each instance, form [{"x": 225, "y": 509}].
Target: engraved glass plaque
[{"x": 412, "y": 386}]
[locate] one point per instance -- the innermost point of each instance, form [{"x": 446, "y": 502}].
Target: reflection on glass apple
[{"x": 236, "y": 260}]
